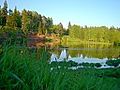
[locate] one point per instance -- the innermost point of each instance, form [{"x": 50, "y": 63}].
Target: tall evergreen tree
[
  {"x": 14, "y": 19},
  {"x": 0, "y": 16},
  {"x": 17, "y": 18},
  {"x": 60, "y": 29},
  {"x": 10, "y": 12},
  {"x": 69, "y": 26},
  {"x": 49, "y": 25},
  {"x": 25, "y": 21},
  {"x": 44, "y": 22},
  {"x": 35, "y": 21},
  {"x": 9, "y": 21},
  {"x": 4, "y": 13},
  {"x": 40, "y": 30}
]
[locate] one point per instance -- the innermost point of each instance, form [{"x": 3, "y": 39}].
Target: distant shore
[{"x": 77, "y": 41}]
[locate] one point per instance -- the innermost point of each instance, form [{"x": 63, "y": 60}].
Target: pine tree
[
  {"x": 16, "y": 18},
  {"x": 40, "y": 30},
  {"x": 69, "y": 26},
  {"x": 9, "y": 21},
  {"x": 4, "y": 13},
  {"x": 44, "y": 22},
  {"x": 35, "y": 19},
  {"x": 60, "y": 29},
  {"x": 0, "y": 16},
  {"x": 49, "y": 25},
  {"x": 25, "y": 21}
]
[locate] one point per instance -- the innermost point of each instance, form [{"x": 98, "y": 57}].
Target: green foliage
[
  {"x": 25, "y": 21},
  {"x": 10, "y": 36},
  {"x": 22, "y": 68},
  {"x": 95, "y": 34},
  {"x": 114, "y": 63},
  {"x": 45, "y": 25},
  {"x": 49, "y": 25},
  {"x": 0, "y": 16},
  {"x": 98, "y": 65},
  {"x": 60, "y": 29},
  {"x": 55, "y": 29},
  {"x": 32, "y": 22},
  {"x": 69, "y": 26},
  {"x": 113, "y": 73},
  {"x": 69, "y": 64},
  {"x": 3, "y": 16},
  {"x": 72, "y": 63},
  {"x": 109, "y": 73},
  {"x": 28, "y": 21},
  {"x": 48, "y": 40},
  {"x": 117, "y": 43},
  {"x": 91, "y": 65},
  {"x": 14, "y": 19}
]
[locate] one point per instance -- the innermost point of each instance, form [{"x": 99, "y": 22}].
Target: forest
[
  {"x": 17, "y": 24},
  {"x": 95, "y": 34}
]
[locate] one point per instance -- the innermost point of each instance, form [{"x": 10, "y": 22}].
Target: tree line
[
  {"x": 15, "y": 23},
  {"x": 95, "y": 34},
  {"x": 28, "y": 21}
]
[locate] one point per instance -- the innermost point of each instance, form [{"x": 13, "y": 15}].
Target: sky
[{"x": 80, "y": 12}]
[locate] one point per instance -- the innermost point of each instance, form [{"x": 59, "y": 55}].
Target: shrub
[
  {"x": 98, "y": 65},
  {"x": 86, "y": 64},
  {"x": 72, "y": 63},
  {"x": 114, "y": 63}
]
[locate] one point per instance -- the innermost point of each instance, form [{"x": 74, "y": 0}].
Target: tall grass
[
  {"x": 25, "y": 69},
  {"x": 21, "y": 69}
]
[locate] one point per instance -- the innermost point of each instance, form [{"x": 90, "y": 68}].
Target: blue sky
[{"x": 81, "y": 12}]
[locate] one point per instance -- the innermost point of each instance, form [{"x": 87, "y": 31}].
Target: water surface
[{"x": 88, "y": 51}]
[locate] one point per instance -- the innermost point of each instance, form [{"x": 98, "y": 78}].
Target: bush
[
  {"x": 98, "y": 65},
  {"x": 48, "y": 40},
  {"x": 72, "y": 63},
  {"x": 85, "y": 64},
  {"x": 114, "y": 63}
]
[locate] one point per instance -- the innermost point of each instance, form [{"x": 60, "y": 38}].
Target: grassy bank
[
  {"x": 67, "y": 40},
  {"x": 28, "y": 69}
]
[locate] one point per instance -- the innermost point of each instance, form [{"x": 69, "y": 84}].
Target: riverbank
[{"x": 42, "y": 40}]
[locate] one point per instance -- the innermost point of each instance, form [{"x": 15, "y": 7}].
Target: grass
[
  {"x": 67, "y": 40},
  {"x": 25, "y": 69}
]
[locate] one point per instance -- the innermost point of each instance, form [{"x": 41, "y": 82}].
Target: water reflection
[
  {"x": 63, "y": 54},
  {"x": 54, "y": 57},
  {"x": 78, "y": 59},
  {"x": 93, "y": 52},
  {"x": 79, "y": 50},
  {"x": 49, "y": 45}
]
